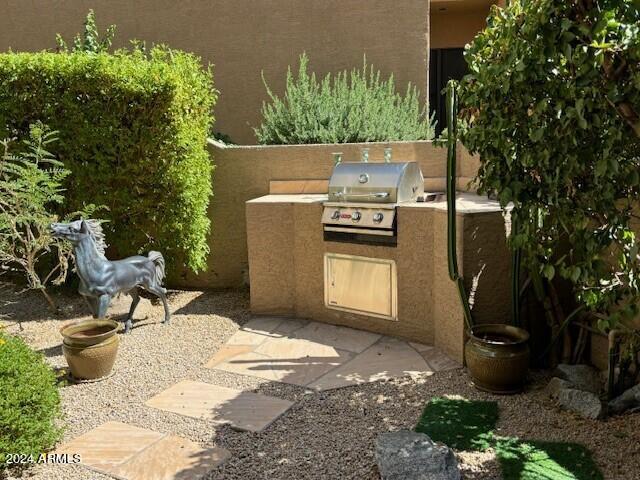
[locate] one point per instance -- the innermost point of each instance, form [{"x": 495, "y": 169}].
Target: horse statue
[{"x": 102, "y": 279}]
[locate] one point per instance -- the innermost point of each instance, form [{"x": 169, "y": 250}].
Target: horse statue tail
[{"x": 158, "y": 261}]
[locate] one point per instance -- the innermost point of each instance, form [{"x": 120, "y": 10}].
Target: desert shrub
[
  {"x": 552, "y": 105},
  {"x": 29, "y": 403},
  {"x": 90, "y": 40},
  {"x": 132, "y": 129},
  {"x": 350, "y": 107},
  {"x": 31, "y": 190}
]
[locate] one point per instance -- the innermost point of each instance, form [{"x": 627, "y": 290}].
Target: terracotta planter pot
[
  {"x": 90, "y": 348},
  {"x": 89, "y": 332},
  {"x": 497, "y": 357}
]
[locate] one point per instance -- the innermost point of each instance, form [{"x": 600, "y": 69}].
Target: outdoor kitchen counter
[
  {"x": 286, "y": 250},
  {"x": 466, "y": 203}
]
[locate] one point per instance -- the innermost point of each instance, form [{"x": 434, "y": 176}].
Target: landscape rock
[
  {"x": 629, "y": 399},
  {"x": 581, "y": 377},
  {"x": 408, "y": 455},
  {"x": 581, "y": 402},
  {"x": 555, "y": 385}
]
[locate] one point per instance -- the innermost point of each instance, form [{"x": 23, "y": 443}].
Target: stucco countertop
[
  {"x": 297, "y": 198},
  {"x": 466, "y": 203}
]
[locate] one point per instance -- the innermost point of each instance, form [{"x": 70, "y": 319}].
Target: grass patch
[
  {"x": 536, "y": 460},
  {"x": 461, "y": 424},
  {"x": 468, "y": 426}
]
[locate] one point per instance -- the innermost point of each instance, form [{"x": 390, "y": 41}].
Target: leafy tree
[
  {"x": 552, "y": 106},
  {"x": 351, "y": 107},
  {"x": 30, "y": 189}
]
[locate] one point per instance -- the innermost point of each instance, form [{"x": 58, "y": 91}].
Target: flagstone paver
[
  {"x": 438, "y": 361},
  {"x": 295, "y": 349},
  {"x": 323, "y": 356},
  {"x": 263, "y": 325},
  {"x": 228, "y": 351},
  {"x": 134, "y": 453},
  {"x": 288, "y": 360},
  {"x": 291, "y": 325},
  {"x": 384, "y": 360},
  {"x": 110, "y": 444},
  {"x": 421, "y": 347},
  {"x": 172, "y": 458},
  {"x": 343, "y": 338},
  {"x": 256, "y": 331},
  {"x": 243, "y": 410},
  {"x": 255, "y": 365}
]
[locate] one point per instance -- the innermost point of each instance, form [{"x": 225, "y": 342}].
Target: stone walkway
[
  {"x": 321, "y": 356},
  {"x": 309, "y": 354}
]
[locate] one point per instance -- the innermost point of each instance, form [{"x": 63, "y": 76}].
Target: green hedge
[
  {"x": 29, "y": 400},
  {"x": 133, "y": 130}
]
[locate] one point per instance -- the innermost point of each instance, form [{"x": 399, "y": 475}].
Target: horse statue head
[{"x": 79, "y": 230}]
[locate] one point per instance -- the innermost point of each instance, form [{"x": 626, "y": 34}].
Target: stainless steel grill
[{"x": 363, "y": 198}]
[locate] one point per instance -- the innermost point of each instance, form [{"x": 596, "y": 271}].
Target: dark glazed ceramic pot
[{"x": 497, "y": 357}]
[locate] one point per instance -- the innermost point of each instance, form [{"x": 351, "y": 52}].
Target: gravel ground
[{"x": 326, "y": 435}]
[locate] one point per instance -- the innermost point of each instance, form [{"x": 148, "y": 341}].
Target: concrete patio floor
[{"x": 322, "y": 356}]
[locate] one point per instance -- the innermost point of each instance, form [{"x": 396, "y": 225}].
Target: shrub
[
  {"x": 30, "y": 189},
  {"x": 90, "y": 41},
  {"x": 355, "y": 107},
  {"x": 29, "y": 403},
  {"x": 552, "y": 105},
  {"x": 132, "y": 129}
]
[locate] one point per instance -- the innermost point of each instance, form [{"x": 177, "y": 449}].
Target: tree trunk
[{"x": 52, "y": 305}]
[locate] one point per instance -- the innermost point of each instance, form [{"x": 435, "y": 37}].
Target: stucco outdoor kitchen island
[{"x": 294, "y": 270}]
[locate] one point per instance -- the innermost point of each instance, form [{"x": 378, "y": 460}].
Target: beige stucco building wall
[
  {"x": 455, "y": 23},
  {"x": 243, "y": 38}
]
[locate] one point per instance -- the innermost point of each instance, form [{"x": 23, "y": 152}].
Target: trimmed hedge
[
  {"x": 29, "y": 401},
  {"x": 133, "y": 129}
]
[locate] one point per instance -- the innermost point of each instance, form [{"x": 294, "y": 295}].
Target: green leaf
[
  {"x": 549, "y": 271},
  {"x": 575, "y": 274}
]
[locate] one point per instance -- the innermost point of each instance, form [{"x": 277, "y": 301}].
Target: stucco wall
[
  {"x": 243, "y": 38},
  {"x": 457, "y": 24},
  {"x": 244, "y": 172}
]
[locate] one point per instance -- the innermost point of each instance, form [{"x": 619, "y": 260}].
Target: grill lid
[{"x": 376, "y": 182}]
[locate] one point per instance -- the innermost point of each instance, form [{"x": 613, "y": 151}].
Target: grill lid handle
[{"x": 362, "y": 195}]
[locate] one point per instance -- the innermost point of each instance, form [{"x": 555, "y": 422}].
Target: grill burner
[{"x": 363, "y": 198}]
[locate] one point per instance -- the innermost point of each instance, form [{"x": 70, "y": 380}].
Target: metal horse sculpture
[{"x": 102, "y": 279}]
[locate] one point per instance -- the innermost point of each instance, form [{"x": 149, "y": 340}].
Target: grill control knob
[
  {"x": 377, "y": 217},
  {"x": 355, "y": 216},
  {"x": 335, "y": 215}
]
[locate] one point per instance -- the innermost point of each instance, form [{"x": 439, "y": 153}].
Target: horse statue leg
[
  {"x": 103, "y": 304},
  {"x": 135, "y": 297},
  {"x": 92, "y": 303},
  {"x": 90, "y": 300},
  {"x": 161, "y": 293}
]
